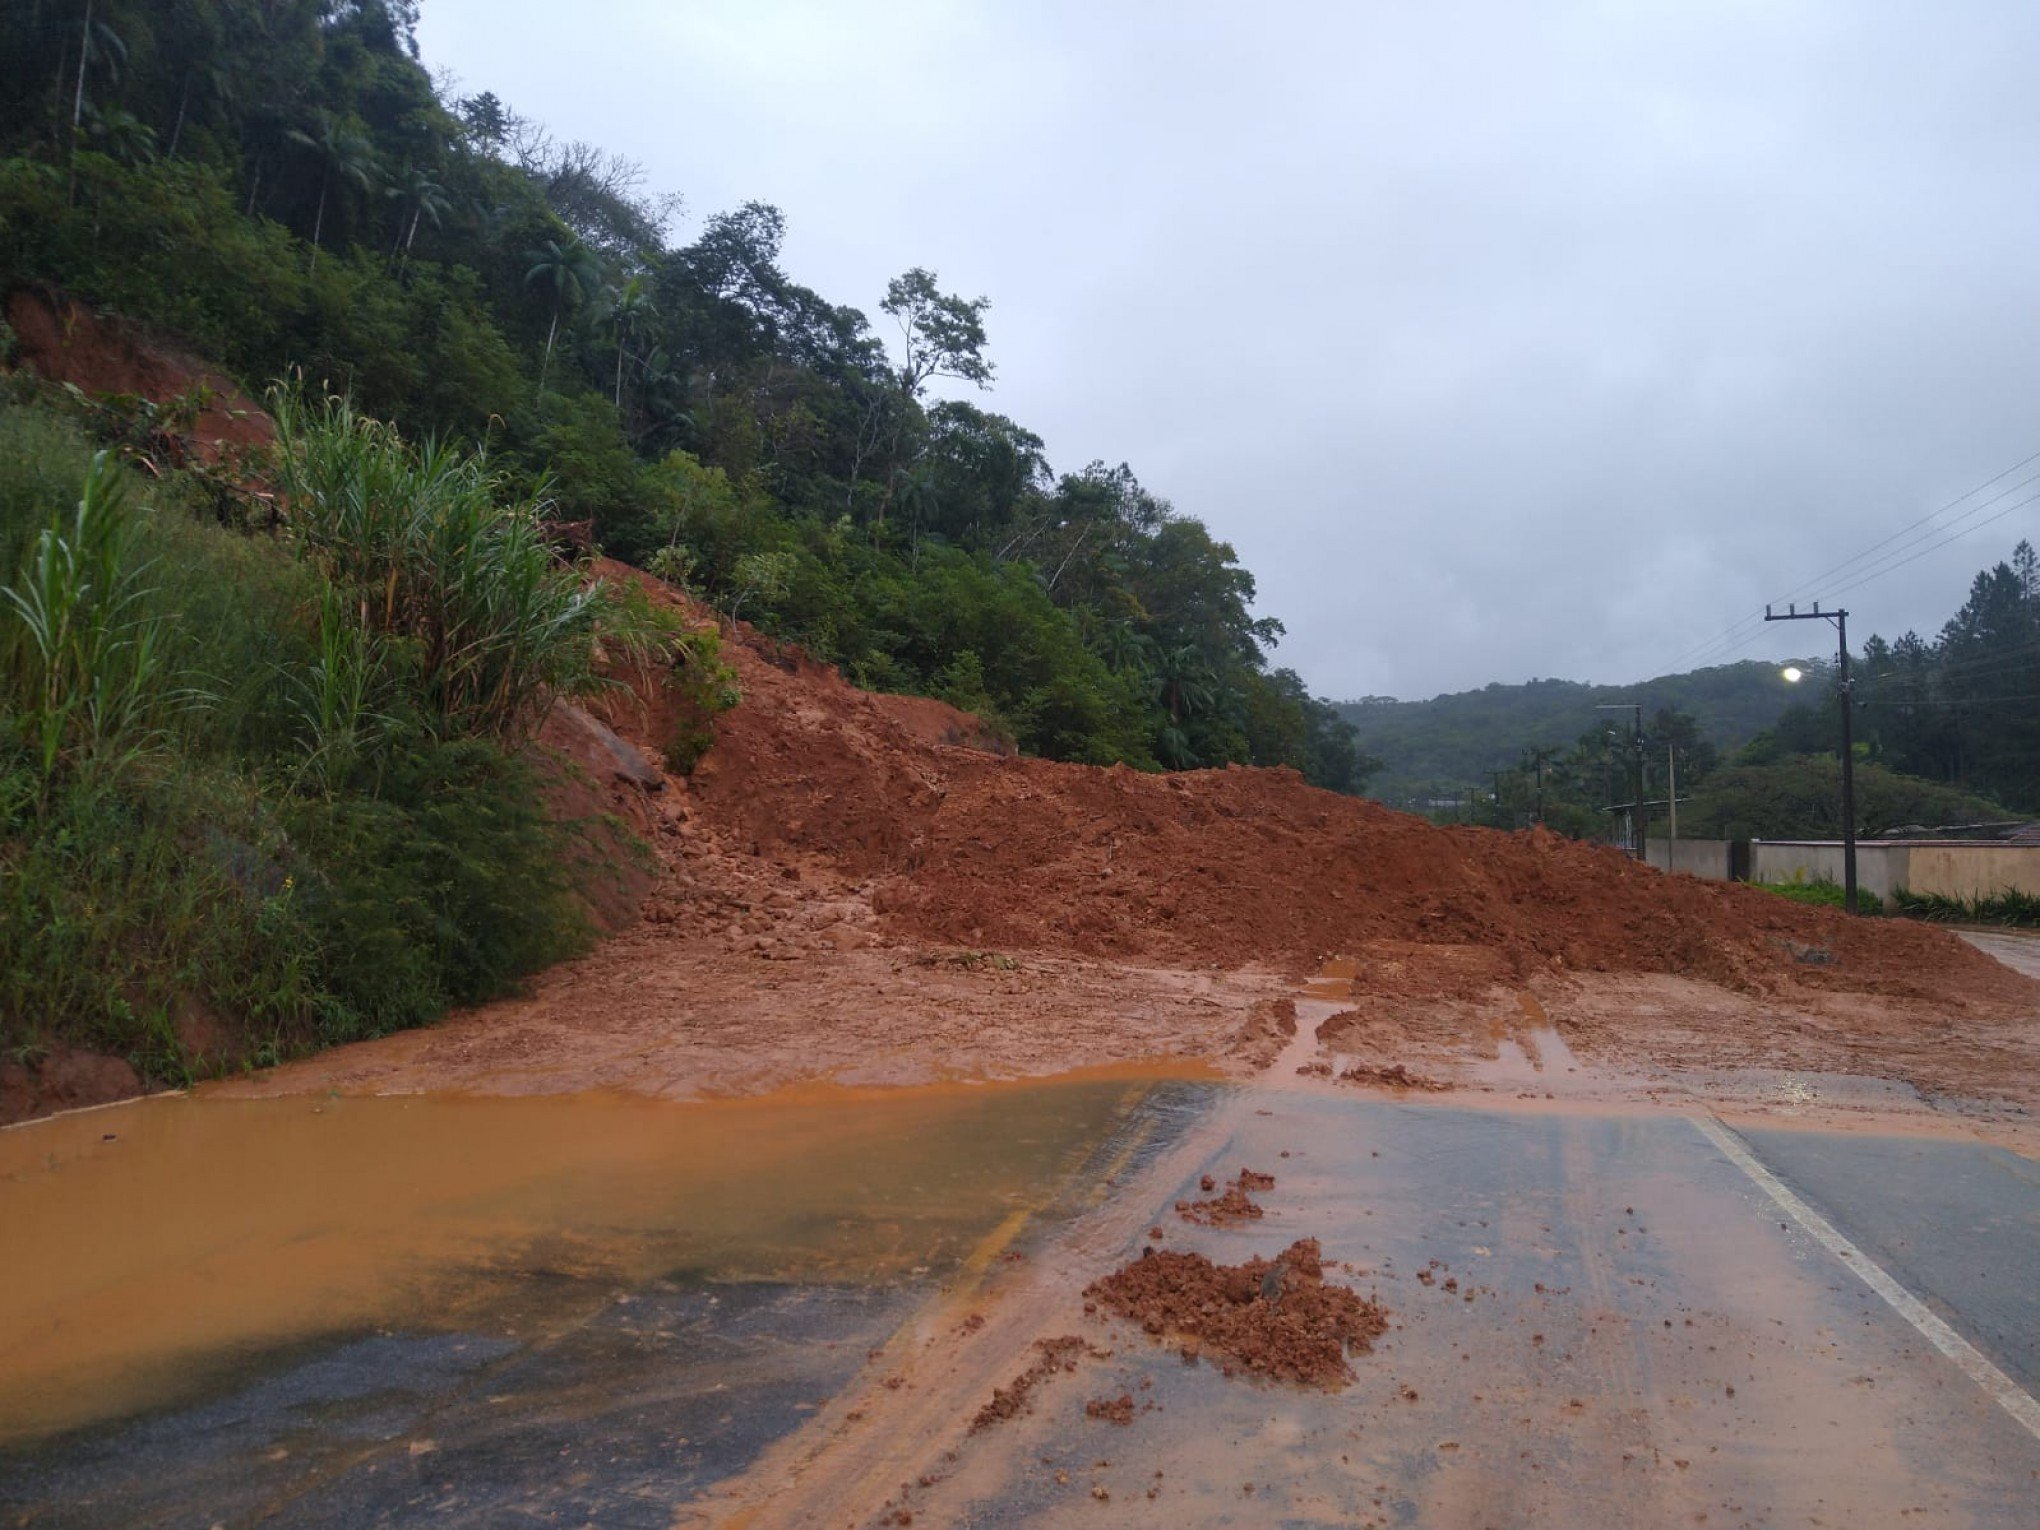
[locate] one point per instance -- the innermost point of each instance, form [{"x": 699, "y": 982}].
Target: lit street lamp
[{"x": 1793, "y": 673}]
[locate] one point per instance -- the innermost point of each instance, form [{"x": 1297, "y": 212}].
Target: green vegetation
[
  {"x": 258, "y": 796},
  {"x": 1432, "y": 749},
  {"x": 1800, "y": 797},
  {"x": 1946, "y": 733},
  {"x": 1824, "y": 893},
  {"x": 277, "y": 183},
  {"x": 2007, "y": 908},
  {"x": 1961, "y": 708}
]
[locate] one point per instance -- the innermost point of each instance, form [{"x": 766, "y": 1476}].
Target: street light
[
  {"x": 1843, "y": 689},
  {"x": 1793, "y": 674}
]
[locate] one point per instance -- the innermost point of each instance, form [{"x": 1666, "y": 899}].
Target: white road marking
[{"x": 2001, "y": 1387}]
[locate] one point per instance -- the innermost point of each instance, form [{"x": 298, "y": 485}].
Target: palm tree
[
  {"x": 629, "y": 307},
  {"x": 343, "y": 154},
  {"x": 121, "y": 135},
  {"x": 663, "y": 400},
  {"x": 217, "y": 81},
  {"x": 97, "y": 43},
  {"x": 1184, "y": 682},
  {"x": 427, "y": 199},
  {"x": 573, "y": 273},
  {"x": 1126, "y": 649}
]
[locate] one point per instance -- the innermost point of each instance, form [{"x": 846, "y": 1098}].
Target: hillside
[
  {"x": 1458, "y": 740},
  {"x": 462, "y": 273}
]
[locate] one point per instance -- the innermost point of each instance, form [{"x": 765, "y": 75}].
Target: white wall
[
  {"x": 1879, "y": 867},
  {"x": 1695, "y": 857}
]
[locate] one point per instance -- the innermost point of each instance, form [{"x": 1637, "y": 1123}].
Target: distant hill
[{"x": 1458, "y": 740}]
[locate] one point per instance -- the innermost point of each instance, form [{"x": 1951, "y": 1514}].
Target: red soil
[
  {"x": 66, "y": 342},
  {"x": 1051, "y": 1356},
  {"x": 1235, "y": 1205},
  {"x": 1221, "y": 867},
  {"x": 1270, "y": 1317}
]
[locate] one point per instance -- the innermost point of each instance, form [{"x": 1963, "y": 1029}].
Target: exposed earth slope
[{"x": 866, "y": 887}]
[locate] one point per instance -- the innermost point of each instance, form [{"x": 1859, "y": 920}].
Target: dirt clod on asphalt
[
  {"x": 1111, "y": 1410},
  {"x": 1272, "y": 1318},
  {"x": 1010, "y": 1400},
  {"x": 1232, "y": 1206}
]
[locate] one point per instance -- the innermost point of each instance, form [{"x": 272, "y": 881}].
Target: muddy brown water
[{"x": 153, "y": 1247}]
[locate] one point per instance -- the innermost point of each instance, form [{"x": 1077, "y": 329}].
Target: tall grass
[
  {"x": 87, "y": 678},
  {"x": 428, "y": 550}
]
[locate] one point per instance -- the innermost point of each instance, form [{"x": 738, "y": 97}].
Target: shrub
[
  {"x": 323, "y": 854},
  {"x": 702, "y": 687},
  {"x": 442, "y": 885},
  {"x": 2007, "y": 908}
]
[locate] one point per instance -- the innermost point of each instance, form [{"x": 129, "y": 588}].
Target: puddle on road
[
  {"x": 153, "y": 1249},
  {"x": 1530, "y": 1054}
]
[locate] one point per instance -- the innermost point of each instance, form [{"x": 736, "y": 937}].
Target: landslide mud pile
[{"x": 960, "y": 843}]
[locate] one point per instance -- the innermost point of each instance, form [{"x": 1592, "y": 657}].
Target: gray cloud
[{"x": 1501, "y": 340}]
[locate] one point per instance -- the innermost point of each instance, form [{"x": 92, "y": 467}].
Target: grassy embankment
[{"x": 266, "y": 792}]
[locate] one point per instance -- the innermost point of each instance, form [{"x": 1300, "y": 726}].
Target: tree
[
  {"x": 630, "y": 306},
  {"x": 100, "y": 44},
  {"x": 121, "y": 135},
  {"x": 570, "y": 271},
  {"x": 485, "y": 118},
  {"x": 343, "y": 154},
  {"x": 941, "y": 335},
  {"x": 1053, "y": 602},
  {"x": 426, "y": 199}
]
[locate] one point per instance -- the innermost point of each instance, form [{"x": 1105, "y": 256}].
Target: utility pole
[
  {"x": 1641, "y": 822},
  {"x": 1672, "y": 789},
  {"x": 1792, "y": 613}
]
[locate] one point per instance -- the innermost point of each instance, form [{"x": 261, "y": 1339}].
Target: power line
[
  {"x": 1976, "y": 509},
  {"x": 1937, "y": 546},
  {"x": 1755, "y": 620},
  {"x": 1912, "y": 552},
  {"x": 1965, "y": 701}
]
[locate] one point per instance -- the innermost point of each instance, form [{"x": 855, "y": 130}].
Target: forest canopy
[{"x": 280, "y": 184}]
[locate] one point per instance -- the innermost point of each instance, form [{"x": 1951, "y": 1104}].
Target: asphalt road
[
  {"x": 1640, "y": 1335},
  {"x": 1630, "y": 1318}
]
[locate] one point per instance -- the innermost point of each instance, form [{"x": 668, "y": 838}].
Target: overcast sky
[{"x": 1501, "y": 339}]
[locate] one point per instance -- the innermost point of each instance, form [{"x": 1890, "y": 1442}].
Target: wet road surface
[
  {"x": 1615, "y": 1326},
  {"x": 1600, "y": 1316},
  {"x": 582, "y": 1311}
]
